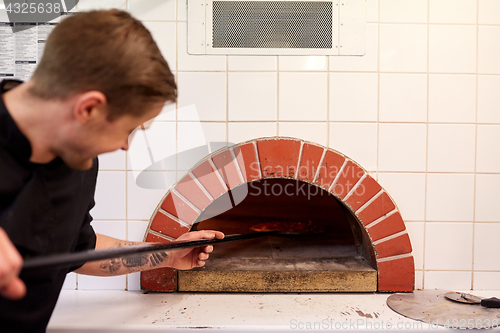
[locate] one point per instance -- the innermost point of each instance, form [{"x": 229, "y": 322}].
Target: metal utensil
[
  {"x": 79, "y": 258},
  {"x": 491, "y": 302}
]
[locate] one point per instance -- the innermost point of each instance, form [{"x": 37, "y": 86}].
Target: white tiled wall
[{"x": 421, "y": 111}]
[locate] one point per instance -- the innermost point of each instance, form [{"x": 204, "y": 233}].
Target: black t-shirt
[{"x": 44, "y": 208}]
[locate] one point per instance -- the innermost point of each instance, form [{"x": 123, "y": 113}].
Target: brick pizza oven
[{"x": 364, "y": 246}]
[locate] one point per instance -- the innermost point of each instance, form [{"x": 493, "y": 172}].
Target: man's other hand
[{"x": 11, "y": 262}]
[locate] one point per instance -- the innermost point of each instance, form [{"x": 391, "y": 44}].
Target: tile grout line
[
  {"x": 328, "y": 101},
  {"x": 337, "y": 121},
  {"x": 126, "y": 213},
  {"x": 475, "y": 152},
  {"x": 426, "y": 146},
  {"x": 277, "y": 95},
  {"x": 377, "y": 159},
  {"x": 227, "y": 100},
  {"x": 177, "y": 56},
  {"x": 336, "y": 71},
  {"x": 126, "y": 192}
]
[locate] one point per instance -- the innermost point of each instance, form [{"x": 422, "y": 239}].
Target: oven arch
[{"x": 287, "y": 158}]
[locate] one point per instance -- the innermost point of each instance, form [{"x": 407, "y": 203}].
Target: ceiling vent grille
[
  {"x": 276, "y": 27},
  {"x": 272, "y": 24}
]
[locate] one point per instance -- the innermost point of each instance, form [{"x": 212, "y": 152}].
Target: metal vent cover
[
  {"x": 272, "y": 24},
  {"x": 276, "y": 27}
]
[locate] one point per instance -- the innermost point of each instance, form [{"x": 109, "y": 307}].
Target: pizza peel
[
  {"x": 435, "y": 309},
  {"x": 81, "y": 257}
]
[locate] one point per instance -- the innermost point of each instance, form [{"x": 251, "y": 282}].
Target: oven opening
[{"x": 333, "y": 254}]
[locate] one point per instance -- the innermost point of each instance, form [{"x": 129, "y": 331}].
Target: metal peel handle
[
  {"x": 492, "y": 302},
  {"x": 80, "y": 258}
]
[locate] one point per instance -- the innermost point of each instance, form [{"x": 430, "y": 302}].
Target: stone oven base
[
  {"x": 282, "y": 264},
  {"x": 285, "y": 275}
]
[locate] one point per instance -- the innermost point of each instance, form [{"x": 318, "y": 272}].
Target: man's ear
[{"x": 90, "y": 105}]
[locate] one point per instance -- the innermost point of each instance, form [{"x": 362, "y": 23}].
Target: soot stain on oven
[{"x": 337, "y": 256}]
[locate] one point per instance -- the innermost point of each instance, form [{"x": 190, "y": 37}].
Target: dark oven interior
[{"x": 336, "y": 256}]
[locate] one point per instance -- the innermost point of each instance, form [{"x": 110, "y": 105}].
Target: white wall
[{"x": 421, "y": 111}]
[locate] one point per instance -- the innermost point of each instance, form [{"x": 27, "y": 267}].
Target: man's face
[{"x": 102, "y": 137}]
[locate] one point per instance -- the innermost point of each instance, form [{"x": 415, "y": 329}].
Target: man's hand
[
  {"x": 190, "y": 258},
  {"x": 11, "y": 262}
]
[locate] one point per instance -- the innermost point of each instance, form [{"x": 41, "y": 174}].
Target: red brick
[
  {"x": 247, "y": 161},
  {"x": 167, "y": 226},
  {"x": 178, "y": 208},
  {"x": 226, "y": 166},
  {"x": 208, "y": 178},
  {"x": 391, "y": 225},
  {"x": 378, "y": 208},
  {"x": 152, "y": 238},
  {"x": 364, "y": 192},
  {"x": 191, "y": 191},
  {"x": 278, "y": 158},
  {"x": 394, "y": 246},
  {"x": 329, "y": 169},
  {"x": 396, "y": 275},
  {"x": 309, "y": 163},
  {"x": 161, "y": 279},
  {"x": 349, "y": 176}
]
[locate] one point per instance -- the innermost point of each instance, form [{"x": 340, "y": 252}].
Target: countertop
[{"x": 134, "y": 311}]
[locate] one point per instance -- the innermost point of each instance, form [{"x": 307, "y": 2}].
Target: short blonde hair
[{"x": 108, "y": 51}]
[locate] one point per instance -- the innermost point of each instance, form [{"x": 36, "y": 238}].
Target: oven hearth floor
[
  {"x": 282, "y": 264},
  {"x": 281, "y": 275}
]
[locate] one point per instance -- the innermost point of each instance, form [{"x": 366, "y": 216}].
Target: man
[{"x": 101, "y": 76}]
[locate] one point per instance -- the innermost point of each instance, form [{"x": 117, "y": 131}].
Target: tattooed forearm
[
  {"x": 112, "y": 265},
  {"x": 135, "y": 261},
  {"x": 157, "y": 258},
  {"x": 132, "y": 263}
]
